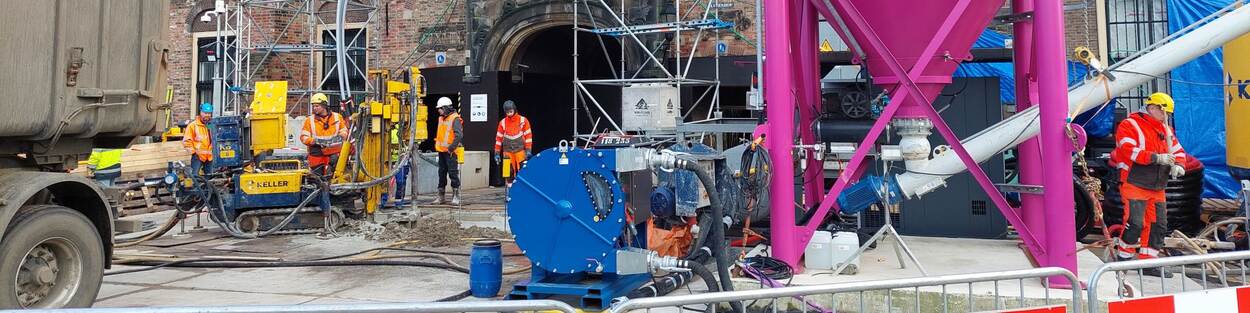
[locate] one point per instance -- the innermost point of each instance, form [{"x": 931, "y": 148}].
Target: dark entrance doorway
[{"x": 540, "y": 81}]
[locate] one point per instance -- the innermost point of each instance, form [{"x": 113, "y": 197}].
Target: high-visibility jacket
[
  {"x": 197, "y": 138},
  {"x": 326, "y": 131},
  {"x": 513, "y": 134},
  {"x": 104, "y": 159},
  {"x": 450, "y": 129},
  {"x": 1138, "y": 138}
]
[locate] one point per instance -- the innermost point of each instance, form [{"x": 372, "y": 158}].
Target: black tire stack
[{"x": 1184, "y": 201}]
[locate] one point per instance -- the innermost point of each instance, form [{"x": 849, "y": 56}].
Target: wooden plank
[{"x": 147, "y": 197}]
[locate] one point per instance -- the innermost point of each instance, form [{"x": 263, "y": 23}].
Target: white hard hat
[{"x": 443, "y": 102}]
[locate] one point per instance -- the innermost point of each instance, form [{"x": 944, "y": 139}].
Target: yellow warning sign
[{"x": 825, "y": 46}]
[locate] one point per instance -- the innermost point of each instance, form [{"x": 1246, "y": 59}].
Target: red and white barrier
[
  {"x": 1224, "y": 300},
  {"x": 1045, "y": 309}
]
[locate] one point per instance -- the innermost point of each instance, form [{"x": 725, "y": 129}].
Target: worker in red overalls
[
  {"x": 513, "y": 140},
  {"x": 1146, "y": 154}
]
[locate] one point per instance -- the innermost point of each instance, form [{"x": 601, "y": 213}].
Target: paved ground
[{"x": 201, "y": 287}]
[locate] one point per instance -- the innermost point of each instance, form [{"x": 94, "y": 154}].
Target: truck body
[{"x": 74, "y": 75}]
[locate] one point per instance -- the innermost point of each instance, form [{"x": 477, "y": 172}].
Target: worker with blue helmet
[{"x": 197, "y": 140}]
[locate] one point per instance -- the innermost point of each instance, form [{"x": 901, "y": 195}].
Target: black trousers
[{"x": 448, "y": 168}]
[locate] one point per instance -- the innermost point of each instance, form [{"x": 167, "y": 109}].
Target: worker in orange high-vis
[
  {"x": 323, "y": 133},
  {"x": 513, "y": 140},
  {"x": 199, "y": 142},
  {"x": 1147, "y": 154},
  {"x": 448, "y": 143}
]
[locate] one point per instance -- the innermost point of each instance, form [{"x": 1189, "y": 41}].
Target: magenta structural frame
[
  {"x": 1049, "y": 57},
  {"x": 911, "y": 49}
]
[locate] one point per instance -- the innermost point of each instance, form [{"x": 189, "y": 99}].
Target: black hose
[
  {"x": 203, "y": 263},
  {"x": 707, "y": 277},
  {"x": 456, "y": 297},
  {"x": 717, "y": 235},
  {"x": 407, "y": 250}
]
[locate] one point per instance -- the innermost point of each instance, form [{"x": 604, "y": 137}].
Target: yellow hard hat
[
  {"x": 1163, "y": 100},
  {"x": 320, "y": 98}
]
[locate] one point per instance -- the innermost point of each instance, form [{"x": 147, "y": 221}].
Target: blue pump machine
[
  {"x": 580, "y": 216},
  {"x": 583, "y": 233}
]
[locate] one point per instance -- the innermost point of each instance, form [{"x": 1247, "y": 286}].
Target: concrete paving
[{"x": 338, "y": 285}]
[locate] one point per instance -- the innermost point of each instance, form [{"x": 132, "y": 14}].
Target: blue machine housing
[
  {"x": 683, "y": 188},
  {"x": 228, "y": 146},
  {"x": 567, "y": 212}
]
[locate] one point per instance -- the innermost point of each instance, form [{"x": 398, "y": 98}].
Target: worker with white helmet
[
  {"x": 1146, "y": 154},
  {"x": 448, "y": 143}
]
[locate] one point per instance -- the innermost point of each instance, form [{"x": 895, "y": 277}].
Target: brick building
[{"x": 511, "y": 49}]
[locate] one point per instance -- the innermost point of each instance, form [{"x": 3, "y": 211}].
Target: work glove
[
  {"x": 498, "y": 160},
  {"x": 1177, "y": 171},
  {"x": 1163, "y": 158}
]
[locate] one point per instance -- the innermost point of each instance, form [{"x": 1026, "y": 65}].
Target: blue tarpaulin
[
  {"x": 1004, "y": 70},
  {"x": 1199, "y": 117},
  {"x": 1097, "y": 126}
]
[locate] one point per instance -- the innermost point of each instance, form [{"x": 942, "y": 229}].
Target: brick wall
[
  {"x": 180, "y": 57},
  {"x": 399, "y": 26},
  {"x": 1081, "y": 25}
]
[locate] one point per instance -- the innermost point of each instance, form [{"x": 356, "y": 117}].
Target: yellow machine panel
[
  {"x": 268, "y": 116},
  {"x": 1237, "y": 108},
  {"x": 423, "y": 118},
  {"x": 270, "y": 183}
]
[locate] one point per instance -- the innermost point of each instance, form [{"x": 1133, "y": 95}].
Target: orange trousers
[
  {"x": 1145, "y": 221},
  {"x": 513, "y": 160}
]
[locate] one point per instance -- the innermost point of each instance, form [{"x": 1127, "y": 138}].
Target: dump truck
[{"x": 74, "y": 75}]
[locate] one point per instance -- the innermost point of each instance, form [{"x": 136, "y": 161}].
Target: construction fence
[{"x": 1198, "y": 283}]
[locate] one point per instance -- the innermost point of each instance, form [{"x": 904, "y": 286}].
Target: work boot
[
  {"x": 442, "y": 197},
  {"x": 1157, "y": 272},
  {"x": 455, "y": 196}
]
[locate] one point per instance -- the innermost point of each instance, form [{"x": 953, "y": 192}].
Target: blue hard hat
[{"x": 206, "y": 107}]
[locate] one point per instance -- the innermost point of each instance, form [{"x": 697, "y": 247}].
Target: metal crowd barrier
[
  {"x": 429, "y": 307},
  {"x": 708, "y": 301},
  {"x": 1205, "y": 267}
]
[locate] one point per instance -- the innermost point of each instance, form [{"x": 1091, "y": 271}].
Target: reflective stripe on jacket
[
  {"x": 513, "y": 134},
  {"x": 1138, "y": 138},
  {"x": 450, "y": 129},
  {"x": 324, "y": 131},
  {"x": 197, "y": 138}
]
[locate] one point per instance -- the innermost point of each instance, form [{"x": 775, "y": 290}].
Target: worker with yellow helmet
[
  {"x": 324, "y": 133},
  {"x": 1146, "y": 154}
]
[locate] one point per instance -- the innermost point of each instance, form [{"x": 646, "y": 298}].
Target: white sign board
[
  {"x": 477, "y": 108},
  {"x": 649, "y": 107}
]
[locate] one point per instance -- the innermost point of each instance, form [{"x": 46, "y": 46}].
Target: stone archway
[{"x": 515, "y": 29}]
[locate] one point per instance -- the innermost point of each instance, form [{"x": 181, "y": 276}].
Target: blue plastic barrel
[{"x": 485, "y": 268}]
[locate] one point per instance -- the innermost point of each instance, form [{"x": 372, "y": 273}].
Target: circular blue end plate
[{"x": 552, "y": 217}]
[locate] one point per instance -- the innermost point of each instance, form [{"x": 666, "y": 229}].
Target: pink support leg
[
  {"x": 1052, "y": 80},
  {"x": 1029, "y": 153}
]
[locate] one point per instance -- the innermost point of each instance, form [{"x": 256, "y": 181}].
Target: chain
[{"x": 1093, "y": 186}]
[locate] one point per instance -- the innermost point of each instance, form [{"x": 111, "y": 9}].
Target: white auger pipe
[{"x": 1023, "y": 125}]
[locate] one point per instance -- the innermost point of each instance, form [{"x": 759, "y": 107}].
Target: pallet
[{"x": 146, "y": 160}]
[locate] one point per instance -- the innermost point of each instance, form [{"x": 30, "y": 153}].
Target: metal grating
[{"x": 1131, "y": 26}]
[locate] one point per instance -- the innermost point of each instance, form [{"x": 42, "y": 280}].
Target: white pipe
[{"x": 1023, "y": 125}]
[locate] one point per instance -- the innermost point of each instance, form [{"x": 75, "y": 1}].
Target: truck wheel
[{"x": 50, "y": 257}]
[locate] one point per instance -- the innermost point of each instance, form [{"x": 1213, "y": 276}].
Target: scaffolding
[
  {"x": 264, "y": 34},
  {"x": 700, "y": 18}
]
